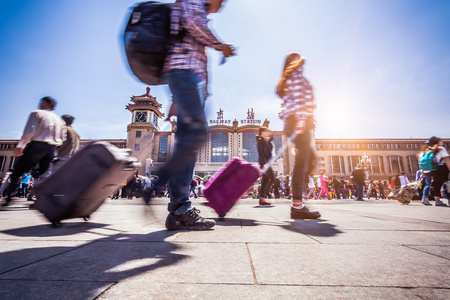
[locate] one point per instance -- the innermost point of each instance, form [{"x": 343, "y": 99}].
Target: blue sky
[{"x": 380, "y": 68}]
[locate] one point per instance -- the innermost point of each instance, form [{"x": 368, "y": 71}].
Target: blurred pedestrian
[
  {"x": 403, "y": 179},
  {"x": 297, "y": 113},
  {"x": 43, "y": 133},
  {"x": 265, "y": 148},
  {"x": 276, "y": 187},
  {"x": 435, "y": 178},
  {"x": 72, "y": 142},
  {"x": 311, "y": 188},
  {"x": 194, "y": 184},
  {"x": 186, "y": 72},
  {"x": 323, "y": 186},
  {"x": 358, "y": 181}
]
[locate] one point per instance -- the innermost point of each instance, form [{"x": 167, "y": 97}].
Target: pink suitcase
[{"x": 229, "y": 184}]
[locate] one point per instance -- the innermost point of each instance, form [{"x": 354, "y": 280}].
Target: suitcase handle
[{"x": 279, "y": 153}]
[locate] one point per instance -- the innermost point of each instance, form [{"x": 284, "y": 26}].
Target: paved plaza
[{"x": 377, "y": 249}]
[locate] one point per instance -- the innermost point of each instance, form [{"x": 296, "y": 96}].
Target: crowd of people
[
  {"x": 334, "y": 187},
  {"x": 185, "y": 71}
]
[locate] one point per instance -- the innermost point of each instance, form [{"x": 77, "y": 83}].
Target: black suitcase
[{"x": 81, "y": 185}]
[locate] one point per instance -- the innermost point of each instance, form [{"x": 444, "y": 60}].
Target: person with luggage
[
  {"x": 436, "y": 174},
  {"x": 43, "y": 133},
  {"x": 298, "y": 107},
  {"x": 265, "y": 148},
  {"x": 186, "y": 73}
]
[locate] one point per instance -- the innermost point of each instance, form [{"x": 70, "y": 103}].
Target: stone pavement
[{"x": 357, "y": 250}]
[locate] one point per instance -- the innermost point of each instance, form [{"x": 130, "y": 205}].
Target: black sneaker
[
  {"x": 304, "y": 213},
  {"x": 8, "y": 200},
  {"x": 190, "y": 220}
]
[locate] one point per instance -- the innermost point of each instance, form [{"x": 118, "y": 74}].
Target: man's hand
[
  {"x": 300, "y": 126},
  {"x": 226, "y": 49},
  {"x": 18, "y": 152}
]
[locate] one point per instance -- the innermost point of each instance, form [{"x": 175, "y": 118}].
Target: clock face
[{"x": 141, "y": 116}]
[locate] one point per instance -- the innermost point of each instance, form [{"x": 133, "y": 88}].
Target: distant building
[{"x": 229, "y": 138}]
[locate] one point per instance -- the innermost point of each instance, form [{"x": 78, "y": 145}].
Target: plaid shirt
[
  {"x": 189, "y": 52},
  {"x": 298, "y": 98}
]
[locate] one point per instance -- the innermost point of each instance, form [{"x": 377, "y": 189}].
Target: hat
[{"x": 433, "y": 140}]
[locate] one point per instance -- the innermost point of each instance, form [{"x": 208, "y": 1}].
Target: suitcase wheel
[
  {"x": 86, "y": 218},
  {"x": 221, "y": 217},
  {"x": 56, "y": 224}
]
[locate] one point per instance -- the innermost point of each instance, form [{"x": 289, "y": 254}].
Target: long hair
[
  {"x": 432, "y": 144},
  {"x": 293, "y": 62}
]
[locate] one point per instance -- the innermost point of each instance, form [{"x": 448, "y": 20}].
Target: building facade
[{"x": 229, "y": 138}]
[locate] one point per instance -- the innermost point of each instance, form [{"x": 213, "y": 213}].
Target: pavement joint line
[
  {"x": 255, "y": 279},
  {"x": 51, "y": 256},
  {"x": 305, "y": 285},
  {"x": 105, "y": 290},
  {"x": 423, "y": 251},
  {"x": 397, "y": 230},
  {"x": 57, "y": 280}
]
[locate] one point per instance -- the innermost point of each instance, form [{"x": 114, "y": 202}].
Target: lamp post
[{"x": 365, "y": 161}]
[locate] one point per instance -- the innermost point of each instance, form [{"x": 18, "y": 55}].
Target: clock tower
[{"x": 145, "y": 115}]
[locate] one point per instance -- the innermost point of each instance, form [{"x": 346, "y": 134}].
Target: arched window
[
  {"x": 249, "y": 151},
  {"x": 219, "y": 146}
]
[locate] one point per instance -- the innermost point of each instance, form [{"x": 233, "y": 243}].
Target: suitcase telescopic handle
[{"x": 279, "y": 153}]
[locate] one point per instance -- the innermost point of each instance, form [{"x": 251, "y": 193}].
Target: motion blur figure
[
  {"x": 186, "y": 71},
  {"x": 43, "y": 133},
  {"x": 297, "y": 113}
]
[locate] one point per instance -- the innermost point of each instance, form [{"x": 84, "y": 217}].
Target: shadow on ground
[
  {"x": 317, "y": 227},
  {"x": 101, "y": 262}
]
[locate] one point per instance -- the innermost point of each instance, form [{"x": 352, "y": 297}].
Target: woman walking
[
  {"x": 437, "y": 175},
  {"x": 323, "y": 186},
  {"x": 297, "y": 112}
]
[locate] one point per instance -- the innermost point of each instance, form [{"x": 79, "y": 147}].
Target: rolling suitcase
[
  {"x": 233, "y": 181},
  {"x": 81, "y": 185}
]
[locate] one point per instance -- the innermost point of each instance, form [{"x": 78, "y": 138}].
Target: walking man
[
  {"x": 43, "y": 133},
  {"x": 358, "y": 181},
  {"x": 186, "y": 71}
]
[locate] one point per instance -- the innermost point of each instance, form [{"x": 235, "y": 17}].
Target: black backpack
[{"x": 147, "y": 40}]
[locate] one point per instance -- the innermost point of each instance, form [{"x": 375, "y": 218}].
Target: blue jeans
[
  {"x": 427, "y": 184},
  {"x": 359, "y": 190},
  {"x": 305, "y": 157},
  {"x": 189, "y": 95}
]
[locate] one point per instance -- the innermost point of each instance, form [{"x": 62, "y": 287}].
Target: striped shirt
[
  {"x": 298, "y": 98},
  {"x": 189, "y": 53}
]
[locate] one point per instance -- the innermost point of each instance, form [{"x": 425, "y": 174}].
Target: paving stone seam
[
  {"x": 58, "y": 280},
  {"x": 49, "y": 257},
  {"x": 252, "y": 267},
  {"x": 396, "y": 230},
  {"x": 423, "y": 251},
  {"x": 105, "y": 290},
  {"x": 301, "y": 285}
]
